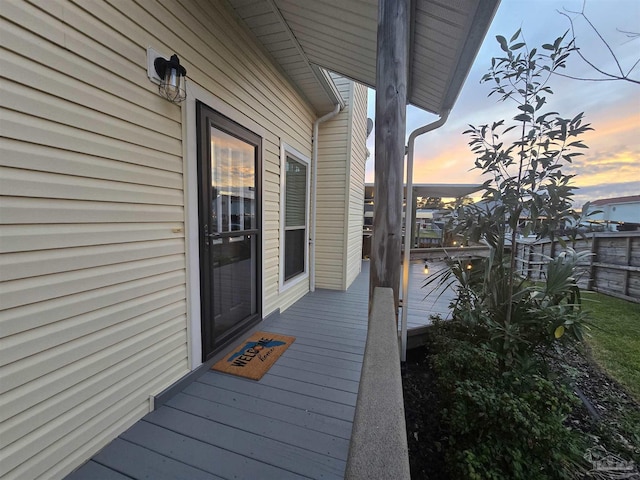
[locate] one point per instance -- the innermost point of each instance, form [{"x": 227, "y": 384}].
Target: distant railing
[
  {"x": 613, "y": 268},
  {"x": 378, "y": 448}
]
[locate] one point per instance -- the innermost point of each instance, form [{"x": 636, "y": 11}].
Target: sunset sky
[{"x": 611, "y": 165}]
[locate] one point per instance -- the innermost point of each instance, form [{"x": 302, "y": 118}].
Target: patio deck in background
[
  {"x": 427, "y": 300},
  {"x": 294, "y": 423}
]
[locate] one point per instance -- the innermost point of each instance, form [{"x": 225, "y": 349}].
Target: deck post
[{"x": 391, "y": 99}]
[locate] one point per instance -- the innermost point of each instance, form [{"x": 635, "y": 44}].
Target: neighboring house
[
  {"x": 428, "y": 224},
  {"x": 138, "y": 237},
  {"x": 619, "y": 213}
]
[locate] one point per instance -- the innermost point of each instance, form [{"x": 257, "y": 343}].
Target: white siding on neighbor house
[
  {"x": 340, "y": 176},
  {"x": 93, "y": 296}
]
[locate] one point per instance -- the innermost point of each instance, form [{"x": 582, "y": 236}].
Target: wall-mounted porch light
[
  {"x": 170, "y": 76},
  {"x": 426, "y": 268}
]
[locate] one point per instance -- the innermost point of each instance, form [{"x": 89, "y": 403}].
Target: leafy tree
[
  {"x": 527, "y": 191},
  {"x": 498, "y": 401},
  {"x": 433, "y": 203}
]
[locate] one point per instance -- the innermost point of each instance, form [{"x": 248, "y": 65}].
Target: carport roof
[{"x": 440, "y": 190}]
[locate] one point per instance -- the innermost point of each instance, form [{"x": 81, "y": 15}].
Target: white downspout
[
  {"x": 314, "y": 185},
  {"x": 408, "y": 215}
]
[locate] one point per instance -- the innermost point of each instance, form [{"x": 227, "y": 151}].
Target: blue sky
[{"x": 611, "y": 165}]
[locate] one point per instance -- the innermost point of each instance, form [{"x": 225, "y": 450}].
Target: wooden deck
[
  {"x": 294, "y": 423},
  {"x": 425, "y": 301}
]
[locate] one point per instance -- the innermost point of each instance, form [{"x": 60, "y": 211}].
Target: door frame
[
  {"x": 209, "y": 118},
  {"x": 191, "y": 215}
]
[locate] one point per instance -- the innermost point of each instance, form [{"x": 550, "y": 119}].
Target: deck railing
[{"x": 378, "y": 447}]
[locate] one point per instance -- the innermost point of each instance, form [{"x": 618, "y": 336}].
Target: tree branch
[
  {"x": 611, "y": 79},
  {"x": 612, "y": 76}
]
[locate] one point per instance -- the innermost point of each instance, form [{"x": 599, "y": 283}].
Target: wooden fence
[{"x": 613, "y": 268}]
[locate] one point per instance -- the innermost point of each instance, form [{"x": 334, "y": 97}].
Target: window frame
[{"x": 288, "y": 151}]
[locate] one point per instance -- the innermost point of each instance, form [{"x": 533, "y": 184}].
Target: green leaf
[
  {"x": 557, "y": 43},
  {"x": 526, "y": 108},
  {"x": 515, "y": 35},
  {"x": 503, "y": 42}
]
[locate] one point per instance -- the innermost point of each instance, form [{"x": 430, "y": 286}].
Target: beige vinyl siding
[
  {"x": 355, "y": 204},
  {"x": 331, "y": 193},
  {"x": 341, "y": 159},
  {"x": 93, "y": 295},
  {"x": 290, "y": 295}
]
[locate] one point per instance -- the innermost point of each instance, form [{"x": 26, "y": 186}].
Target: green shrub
[{"x": 500, "y": 424}]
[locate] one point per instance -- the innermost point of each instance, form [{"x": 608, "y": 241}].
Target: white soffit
[
  {"x": 264, "y": 20},
  {"x": 340, "y": 36}
]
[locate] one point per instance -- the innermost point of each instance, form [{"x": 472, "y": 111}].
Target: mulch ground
[
  {"x": 605, "y": 399},
  {"x": 424, "y": 432}
]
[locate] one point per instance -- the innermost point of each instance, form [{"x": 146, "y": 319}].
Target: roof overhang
[
  {"x": 435, "y": 190},
  {"x": 307, "y": 37}
]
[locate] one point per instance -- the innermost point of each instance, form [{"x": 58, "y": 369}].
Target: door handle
[{"x": 208, "y": 236}]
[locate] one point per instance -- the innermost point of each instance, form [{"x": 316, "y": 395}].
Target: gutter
[
  {"x": 314, "y": 187},
  {"x": 408, "y": 215}
]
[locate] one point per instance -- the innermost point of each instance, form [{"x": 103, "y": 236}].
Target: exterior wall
[
  {"x": 94, "y": 288},
  {"x": 358, "y": 156},
  {"x": 341, "y": 159},
  {"x": 628, "y": 212}
]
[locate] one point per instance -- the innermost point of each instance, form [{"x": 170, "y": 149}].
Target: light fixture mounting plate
[{"x": 152, "y": 54}]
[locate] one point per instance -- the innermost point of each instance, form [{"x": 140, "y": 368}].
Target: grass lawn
[{"x": 614, "y": 338}]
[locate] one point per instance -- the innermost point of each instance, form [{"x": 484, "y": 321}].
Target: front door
[{"x": 229, "y": 164}]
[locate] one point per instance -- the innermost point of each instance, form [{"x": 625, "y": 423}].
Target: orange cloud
[
  {"x": 616, "y": 167},
  {"x": 611, "y": 162},
  {"x": 611, "y": 131},
  {"x": 452, "y": 165}
]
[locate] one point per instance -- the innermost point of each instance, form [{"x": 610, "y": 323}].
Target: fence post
[
  {"x": 592, "y": 270},
  {"x": 627, "y": 273}
]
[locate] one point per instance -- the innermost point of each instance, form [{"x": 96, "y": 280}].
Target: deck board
[
  {"x": 277, "y": 395},
  {"x": 92, "y": 469},
  {"x": 251, "y": 445},
  {"x": 199, "y": 454},
  {"x": 261, "y": 424},
  {"x": 144, "y": 463},
  {"x": 323, "y": 369},
  {"x": 278, "y": 411},
  {"x": 294, "y": 423}
]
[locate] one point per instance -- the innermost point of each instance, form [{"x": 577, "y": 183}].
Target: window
[{"x": 295, "y": 205}]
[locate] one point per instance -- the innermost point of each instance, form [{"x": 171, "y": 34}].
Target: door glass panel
[
  {"x": 233, "y": 223},
  {"x": 232, "y": 182},
  {"x": 233, "y": 286}
]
